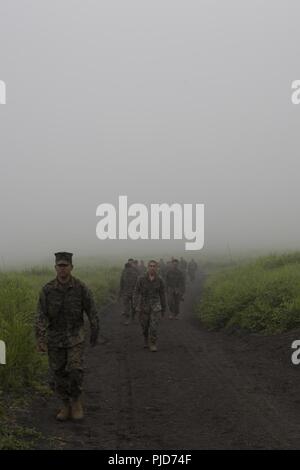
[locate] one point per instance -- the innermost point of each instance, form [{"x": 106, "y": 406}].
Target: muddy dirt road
[{"x": 201, "y": 390}]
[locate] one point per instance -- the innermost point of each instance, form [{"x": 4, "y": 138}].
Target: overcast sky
[{"x": 185, "y": 101}]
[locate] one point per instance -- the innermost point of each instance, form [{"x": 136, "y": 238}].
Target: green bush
[
  {"x": 262, "y": 296},
  {"x": 17, "y": 304}
]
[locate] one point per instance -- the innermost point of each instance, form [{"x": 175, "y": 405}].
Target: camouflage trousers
[
  {"x": 150, "y": 322},
  {"x": 174, "y": 299},
  {"x": 66, "y": 370},
  {"x": 128, "y": 310}
]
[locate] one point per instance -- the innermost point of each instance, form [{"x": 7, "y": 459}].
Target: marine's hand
[{"x": 41, "y": 348}]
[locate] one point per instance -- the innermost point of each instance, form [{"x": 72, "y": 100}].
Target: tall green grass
[
  {"x": 17, "y": 304},
  {"x": 259, "y": 296}
]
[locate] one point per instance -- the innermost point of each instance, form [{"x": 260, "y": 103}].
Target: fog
[{"x": 163, "y": 101}]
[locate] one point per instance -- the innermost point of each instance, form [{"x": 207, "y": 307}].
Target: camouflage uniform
[
  {"x": 192, "y": 268},
  {"x": 142, "y": 269},
  {"x": 150, "y": 300},
  {"x": 162, "y": 269},
  {"x": 60, "y": 326},
  {"x": 128, "y": 280},
  {"x": 175, "y": 282},
  {"x": 183, "y": 265}
]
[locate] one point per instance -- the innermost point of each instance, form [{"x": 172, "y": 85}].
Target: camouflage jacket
[
  {"x": 175, "y": 279},
  {"x": 149, "y": 294},
  {"x": 162, "y": 270},
  {"x": 128, "y": 280},
  {"x": 60, "y": 319}
]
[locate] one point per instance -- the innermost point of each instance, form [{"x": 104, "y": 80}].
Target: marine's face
[
  {"x": 63, "y": 270},
  {"x": 174, "y": 265},
  {"x": 152, "y": 268}
]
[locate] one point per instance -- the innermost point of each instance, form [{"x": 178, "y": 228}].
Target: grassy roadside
[
  {"x": 25, "y": 369},
  {"x": 261, "y": 295}
]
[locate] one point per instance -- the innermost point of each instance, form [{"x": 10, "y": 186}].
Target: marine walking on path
[
  {"x": 60, "y": 331},
  {"x": 128, "y": 281},
  {"x": 175, "y": 284},
  {"x": 149, "y": 299}
]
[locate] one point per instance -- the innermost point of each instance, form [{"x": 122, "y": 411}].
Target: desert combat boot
[
  {"x": 77, "y": 409},
  {"x": 64, "y": 413},
  {"x": 152, "y": 346}
]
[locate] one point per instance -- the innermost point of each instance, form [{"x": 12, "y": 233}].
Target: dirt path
[{"x": 201, "y": 390}]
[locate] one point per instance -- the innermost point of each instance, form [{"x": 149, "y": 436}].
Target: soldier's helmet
[{"x": 63, "y": 256}]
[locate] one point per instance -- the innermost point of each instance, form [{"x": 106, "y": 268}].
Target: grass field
[{"x": 262, "y": 295}]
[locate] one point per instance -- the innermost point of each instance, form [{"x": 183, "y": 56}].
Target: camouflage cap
[{"x": 63, "y": 256}]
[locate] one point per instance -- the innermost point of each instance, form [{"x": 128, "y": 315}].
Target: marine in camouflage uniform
[
  {"x": 162, "y": 269},
  {"x": 142, "y": 268},
  {"x": 136, "y": 266},
  {"x": 183, "y": 265},
  {"x": 127, "y": 283},
  {"x": 175, "y": 283},
  {"x": 60, "y": 331},
  {"x": 150, "y": 301}
]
